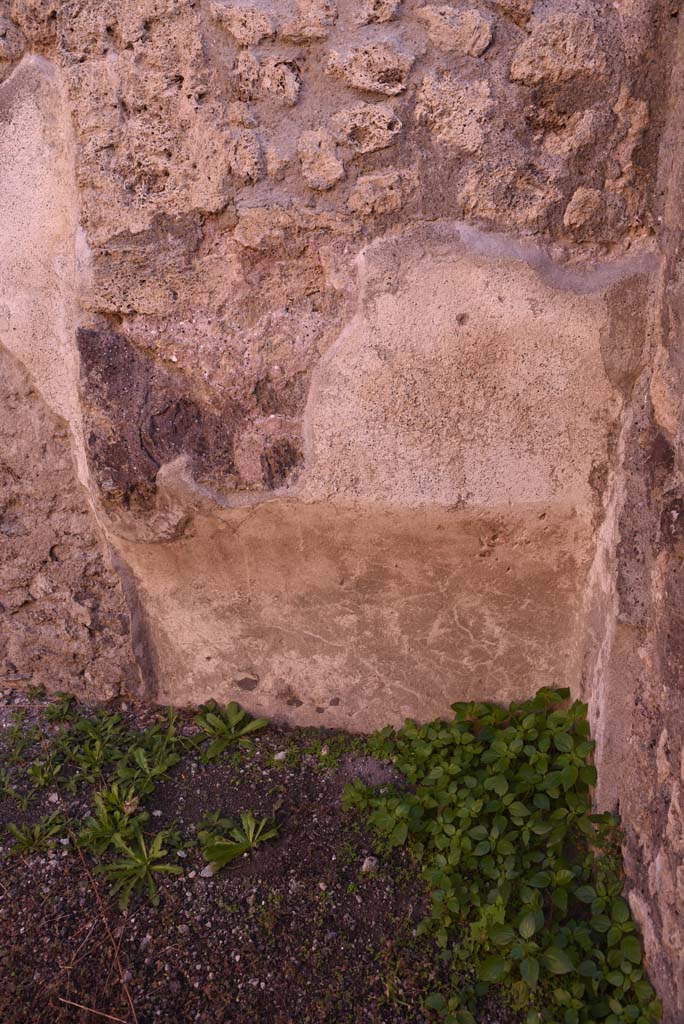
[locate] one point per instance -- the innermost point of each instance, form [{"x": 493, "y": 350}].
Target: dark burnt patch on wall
[
  {"x": 279, "y": 461},
  {"x": 140, "y": 416}
]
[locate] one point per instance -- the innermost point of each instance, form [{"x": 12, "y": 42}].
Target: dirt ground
[{"x": 297, "y": 933}]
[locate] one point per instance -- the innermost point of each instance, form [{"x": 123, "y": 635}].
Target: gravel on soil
[{"x": 317, "y": 927}]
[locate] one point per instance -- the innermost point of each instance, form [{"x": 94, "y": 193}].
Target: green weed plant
[
  {"x": 526, "y": 882},
  {"x": 123, "y": 767},
  {"x": 137, "y": 866},
  {"x": 223, "y": 840},
  {"x": 225, "y": 726}
]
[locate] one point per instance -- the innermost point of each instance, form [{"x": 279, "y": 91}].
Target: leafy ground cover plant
[
  {"x": 62, "y": 709},
  {"x": 7, "y": 789},
  {"x": 291, "y": 909},
  {"x": 137, "y": 867},
  {"x": 223, "y": 727},
  {"x": 224, "y": 839},
  {"x": 43, "y": 773},
  {"x": 38, "y": 837},
  {"x": 20, "y": 737},
  {"x": 155, "y": 752},
  {"x": 113, "y": 815},
  {"x": 123, "y": 767},
  {"x": 525, "y": 880},
  {"x": 89, "y": 746}
]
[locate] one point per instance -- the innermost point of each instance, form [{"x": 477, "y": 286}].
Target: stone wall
[
  {"x": 341, "y": 368},
  {"x": 635, "y": 680}
]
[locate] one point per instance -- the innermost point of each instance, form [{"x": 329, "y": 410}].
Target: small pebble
[
  {"x": 369, "y": 866},
  {"x": 280, "y": 756}
]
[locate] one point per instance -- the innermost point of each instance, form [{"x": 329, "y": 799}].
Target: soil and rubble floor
[{"x": 296, "y": 934}]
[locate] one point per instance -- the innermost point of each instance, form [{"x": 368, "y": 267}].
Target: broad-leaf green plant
[
  {"x": 90, "y": 745},
  {"x": 137, "y": 867},
  {"x": 525, "y": 880},
  {"x": 61, "y": 710},
  {"x": 43, "y": 773},
  {"x": 20, "y": 737},
  {"x": 225, "y": 839},
  {"x": 226, "y": 726},
  {"x": 113, "y": 815},
  {"x": 38, "y": 837}
]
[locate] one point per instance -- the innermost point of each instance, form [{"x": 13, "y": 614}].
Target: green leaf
[
  {"x": 563, "y": 742},
  {"x": 399, "y": 834},
  {"x": 256, "y": 723},
  {"x": 552, "y": 780},
  {"x": 518, "y": 809},
  {"x": 559, "y": 898},
  {"x": 528, "y": 925},
  {"x": 462, "y": 1017},
  {"x": 620, "y": 911},
  {"x": 585, "y": 893},
  {"x": 501, "y": 934},
  {"x": 224, "y": 852},
  {"x": 529, "y": 969},
  {"x": 479, "y": 832},
  {"x": 436, "y": 1001},
  {"x": 588, "y": 969},
  {"x": 644, "y": 991},
  {"x": 493, "y": 969},
  {"x": 499, "y": 783},
  {"x": 557, "y": 960},
  {"x": 631, "y": 947}
]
